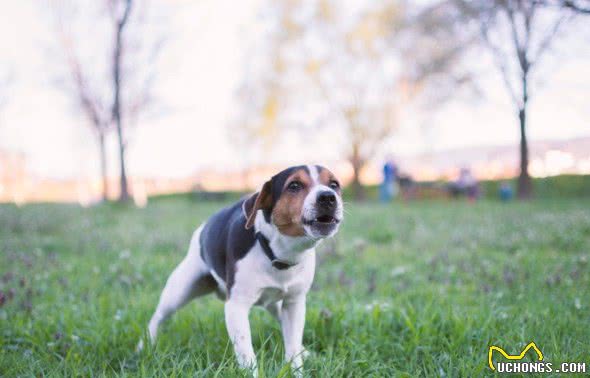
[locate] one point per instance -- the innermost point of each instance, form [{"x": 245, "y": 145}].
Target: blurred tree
[
  {"x": 578, "y": 6},
  {"x": 120, "y": 11},
  {"x": 353, "y": 78},
  {"x": 435, "y": 45},
  {"x": 109, "y": 67},
  {"x": 325, "y": 66},
  {"x": 255, "y": 123},
  {"x": 95, "y": 113},
  {"x": 89, "y": 101},
  {"x": 517, "y": 33}
]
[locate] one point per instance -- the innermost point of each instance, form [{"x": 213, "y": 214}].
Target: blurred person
[
  {"x": 388, "y": 186},
  {"x": 505, "y": 191},
  {"x": 466, "y": 185}
]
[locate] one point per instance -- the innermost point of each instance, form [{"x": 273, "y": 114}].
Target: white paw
[
  {"x": 249, "y": 364},
  {"x": 297, "y": 362},
  {"x": 305, "y": 353},
  {"x": 139, "y": 346}
]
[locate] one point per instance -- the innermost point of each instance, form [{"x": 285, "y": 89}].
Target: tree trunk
[
  {"x": 524, "y": 189},
  {"x": 124, "y": 194},
  {"x": 103, "y": 167},
  {"x": 117, "y": 57},
  {"x": 358, "y": 191}
]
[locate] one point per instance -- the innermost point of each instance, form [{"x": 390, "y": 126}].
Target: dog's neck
[{"x": 290, "y": 249}]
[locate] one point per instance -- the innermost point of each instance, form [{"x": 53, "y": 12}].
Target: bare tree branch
[
  {"x": 88, "y": 99},
  {"x": 500, "y": 60},
  {"x": 545, "y": 43},
  {"x": 579, "y": 6},
  {"x": 517, "y": 38},
  {"x": 118, "y": 94}
]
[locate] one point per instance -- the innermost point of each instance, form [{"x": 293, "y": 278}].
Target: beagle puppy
[{"x": 260, "y": 251}]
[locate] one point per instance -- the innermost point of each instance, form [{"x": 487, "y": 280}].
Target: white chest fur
[{"x": 257, "y": 282}]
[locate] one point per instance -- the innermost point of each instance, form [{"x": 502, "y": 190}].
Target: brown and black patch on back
[{"x": 225, "y": 240}]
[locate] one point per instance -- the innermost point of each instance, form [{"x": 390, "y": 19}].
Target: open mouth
[
  {"x": 327, "y": 219},
  {"x": 321, "y": 220}
]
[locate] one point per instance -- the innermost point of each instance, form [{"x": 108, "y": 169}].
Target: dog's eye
[
  {"x": 334, "y": 185},
  {"x": 294, "y": 186}
]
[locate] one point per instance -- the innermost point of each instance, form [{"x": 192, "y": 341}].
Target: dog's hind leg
[{"x": 190, "y": 279}]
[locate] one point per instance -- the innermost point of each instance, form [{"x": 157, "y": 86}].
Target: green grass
[{"x": 419, "y": 289}]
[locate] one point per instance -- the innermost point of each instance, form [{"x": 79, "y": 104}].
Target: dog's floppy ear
[{"x": 257, "y": 201}]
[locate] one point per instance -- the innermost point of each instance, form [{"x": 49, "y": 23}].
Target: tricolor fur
[{"x": 293, "y": 211}]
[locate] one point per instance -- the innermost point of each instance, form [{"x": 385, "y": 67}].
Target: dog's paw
[
  {"x": 139, "y": 346},
  {"x": 305, "y": 353},
  {"x": 142, "y": 345}
]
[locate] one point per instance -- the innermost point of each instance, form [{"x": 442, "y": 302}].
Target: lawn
[{"x": 418, "y": 289}]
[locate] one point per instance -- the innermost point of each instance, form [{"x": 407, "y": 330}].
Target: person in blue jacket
[{"x": 388, "y": 186}]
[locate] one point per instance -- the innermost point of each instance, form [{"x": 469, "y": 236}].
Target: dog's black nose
[{"x": 327, "y": 199}]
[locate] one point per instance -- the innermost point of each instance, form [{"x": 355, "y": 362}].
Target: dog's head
[{"x": 299, "y": 201}]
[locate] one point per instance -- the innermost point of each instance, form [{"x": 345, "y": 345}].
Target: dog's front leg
[
  {"x": 292, "y": 324},
  {"x": 238, "y": 328}
]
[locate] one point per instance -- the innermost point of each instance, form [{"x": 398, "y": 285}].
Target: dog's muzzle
[{"x": 325, "y": 215}]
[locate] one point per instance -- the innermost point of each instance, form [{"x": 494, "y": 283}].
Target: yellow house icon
[{"x": 512, "y": 357}]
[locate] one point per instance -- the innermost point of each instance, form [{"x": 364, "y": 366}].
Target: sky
[{"x": 201, "y": 66}]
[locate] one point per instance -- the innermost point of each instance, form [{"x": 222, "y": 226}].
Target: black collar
[{"x": 276, "y": 263}]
